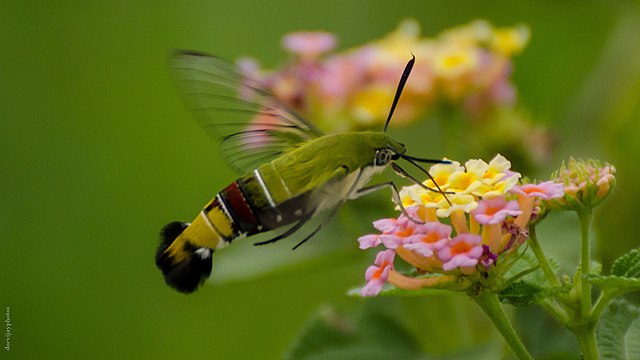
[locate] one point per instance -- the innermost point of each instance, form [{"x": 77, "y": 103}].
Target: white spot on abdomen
[{"x": 204, "y": 253}]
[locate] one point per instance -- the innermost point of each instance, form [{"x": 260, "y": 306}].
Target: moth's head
[
  {"x": 386, "y": 151},
  {"x": 396, "y": 146}
]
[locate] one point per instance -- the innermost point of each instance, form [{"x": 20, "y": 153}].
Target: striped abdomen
[{"x": 246, "y": 207}]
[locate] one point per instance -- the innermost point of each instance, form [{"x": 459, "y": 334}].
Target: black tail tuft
[{"x": 188, "y": 272}]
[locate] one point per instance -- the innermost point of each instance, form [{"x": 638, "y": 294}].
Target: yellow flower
[
  {"x": 404, "y": 38},
  {"x": 476, "y": 32},
  {"x": 462, "y": 202},
  {"x": 442, "y": 172},
  {"x": 496, "y": 170},
  {"x": 371, "y": 105},
  {"x": 465, "y": 182},
  {"x": 418, "y": 195},
  {"x": 499, "y": 188},
  {"x": 511, "y": 40},
  {"x": 454, "y": 61}
]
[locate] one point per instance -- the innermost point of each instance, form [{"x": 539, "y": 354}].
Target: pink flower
[
  {"x": 604, "y": 185},
  {"x": 433, "y": 236},
  {"x": 409, "y": 232},
  {"x": 369, "y": 241},
  {"x": 495, "y": 210},
  {"x": 376, "y": 276},
  {"x": 309, "y": 43},
  {"x": 386, "y": 226},
  {"x": 395, "y": 232},
  {"x": 546, "y": 190},
  {"x": 462, "y": 251},
  {"x": 342, "y": 74}
]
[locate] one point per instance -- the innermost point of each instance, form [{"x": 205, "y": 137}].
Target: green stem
[
  {"x": 585, "y": 329},
  {"x": 542, "y": 259},
  {"x": 556, "y": 310},
  {"x": 556, "y": 307},
  {"x": 587, "y": 339},
  {"x": 603, "y": 301},
  {"x": 585, "y": 262},
  {"x": 489, "y": 303}
]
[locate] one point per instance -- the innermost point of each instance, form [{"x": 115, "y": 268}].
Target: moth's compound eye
[{"x": 383, "y": 157}]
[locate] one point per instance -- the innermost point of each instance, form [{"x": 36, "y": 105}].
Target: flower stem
[
  {"x": 542, "y": 259},
  {"x": 585, "y": 262},
  {"x": 556, "y": 310},
  {"x": 586, "y": 328},
  {"x": 587, "y": 339},
  {"x": 601, "y": 304},
  {"x": 489, "y": 303}
]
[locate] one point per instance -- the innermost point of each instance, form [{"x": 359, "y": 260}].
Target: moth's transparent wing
[{"x": 252, "y": 126}]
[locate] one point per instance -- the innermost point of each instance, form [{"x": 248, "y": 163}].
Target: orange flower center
[
  {"x": 378, "y": 273},
  {"x": 404, "y": 232},
  {"x": 430, "y": 238},
  {"x": 532, "y": 189},
  {"x": 492, "y": 210},
  {"x": 460, "y": 248}
]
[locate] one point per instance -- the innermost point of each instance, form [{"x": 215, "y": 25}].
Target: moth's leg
[
  {"x": 315, "y": 231},
  {"x": 290, "y": 231},
  {"x": 322, "y": 224},
  {"x": 341, "y": 171}
]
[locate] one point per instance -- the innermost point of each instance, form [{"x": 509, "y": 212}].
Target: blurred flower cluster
[
  {"x": 466, "y": 67},
  {"x": 469, "y": 231}
]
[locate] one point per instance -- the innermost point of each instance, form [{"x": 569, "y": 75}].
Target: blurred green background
[{"x": 97, "y": 154}]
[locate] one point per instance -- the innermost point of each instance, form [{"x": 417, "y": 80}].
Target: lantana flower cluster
[
  {"x": 587, "y": 183},
  {"x": 479, "y": 220},
  {"x": 468, "y": 66}
]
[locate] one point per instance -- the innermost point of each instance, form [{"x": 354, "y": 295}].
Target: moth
[{"x": 290, "y": 170}]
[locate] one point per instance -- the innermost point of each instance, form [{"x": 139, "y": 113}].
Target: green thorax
[{"x": 316, "y": 162}]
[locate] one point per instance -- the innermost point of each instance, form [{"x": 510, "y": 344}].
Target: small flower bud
[{"x": 587, "y": 183}]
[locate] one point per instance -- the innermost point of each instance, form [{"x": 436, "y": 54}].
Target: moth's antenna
[
  {"x": 403, "y": 81},
  {"x": 423, "y": 160},
  {"x": 404, "y": 173}
]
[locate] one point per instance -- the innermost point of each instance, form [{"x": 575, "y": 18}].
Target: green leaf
[
  {"x": 596, "y": 267},
  {"x": 521, "y": 293},
  {"x": 617, "y": 284},
  {"x": 628, "y": 265},
  {"x": 618, "y": 333},
  {"x": 527, "y": 262},
  {"x": 625, "y": 274},
  {"x": 530, "y": 288},
  {"x": 370, "y": 335},
  {"x": 525, "y": 293}
]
